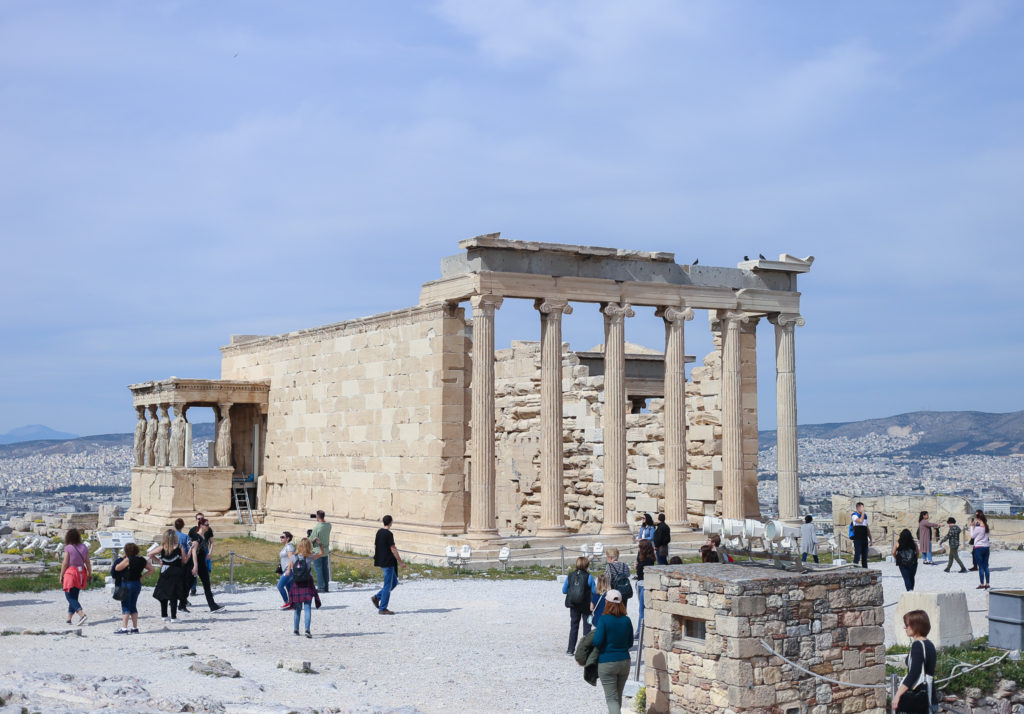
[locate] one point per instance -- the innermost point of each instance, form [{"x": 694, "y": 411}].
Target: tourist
[
  {"x": 207, "y": 548},
  {"x": 905, "y": 554},
  {"x": 613, "y": 637},
  {"x": 386, "y": 557},
  {"x": 321, "y": 538},
  {"x": 133, "y": 566},
  {"x": 675, "y": 560},
  {"x": 75, "y": 571},
  {"x": 303, "y": 587},
  {"x": 860, "y": 534},
  {"x": 600, "y": 592},
  {"x": 186, "y": 573},
  {"x": 924, "y": 535},
  {"x": 714, "y": 542},
  {"x": 172, "y": 583},
  {"x": 808, "y": 540},
  {"x": 952, "y": 537},
  {"x": 644, "y": 557},
  {"x": 980, "y": 532},
  {"x": 917, "y": 690},
  {"x": 286, "y": 579},
  {"x": 618, "y": 574},
  {"x": 662, "y": 537},
  {"x": 201, "y": 563},
  {"x": 646, "y": 531},
  {"x": 578, "y": 589}
]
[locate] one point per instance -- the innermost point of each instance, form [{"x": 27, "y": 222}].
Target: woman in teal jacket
[{"x": 613, "y": 638}]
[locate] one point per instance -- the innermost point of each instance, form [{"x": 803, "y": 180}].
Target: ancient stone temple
[{"x": 385, "y": 414}]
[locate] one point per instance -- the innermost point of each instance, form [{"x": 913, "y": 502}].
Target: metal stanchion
[
  {"x": 562, "y": 549},
  {"x": 231, "y": 587}
]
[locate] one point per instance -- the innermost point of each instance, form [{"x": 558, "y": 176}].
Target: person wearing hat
[{"x": 613, "y": 638}]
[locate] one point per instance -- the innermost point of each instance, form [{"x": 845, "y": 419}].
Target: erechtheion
[{"x": 384, "y": 414}]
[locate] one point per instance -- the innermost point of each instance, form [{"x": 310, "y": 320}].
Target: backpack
[
  {"x": 905, "y": 557},
  {"x": 620, "y": 580},
  {"x": 577, "y": 595},
  {"x": 301, "y": 574}
]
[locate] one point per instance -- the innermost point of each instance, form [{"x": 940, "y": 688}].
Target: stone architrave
[
  {"x": 675, "y": 416},
  {"x": 552, "y": 489},
  {"x": 140, "y": 437},
  {"x": 785, "y": 391},
  {"x": 178, "y": 436},
  {"x": 163, "y": 437},
  {"x": 732, "y": 414},
  {"x": 151, "y": 427},
  {"x": 223, "y": 446},
  {"x": 615, "y": 315},
  {"x": 482, "y": 509}
]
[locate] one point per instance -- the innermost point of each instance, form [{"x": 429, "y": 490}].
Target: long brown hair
[
  {"x": 645, "y": 552},
  {"x": 981, "y": 517}
]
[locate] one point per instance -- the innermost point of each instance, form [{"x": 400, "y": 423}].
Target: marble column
[
  {"x": 732, "y": 415},
  {"x": 151, "y": 427},
  {"x": 482, "y": 488},
  {"x": 675, "y": 416},
  {"x": 163, "y": 437},
  {"x": 552, "y": 488},
  {"x": 139, "y": 444},
  {"x": 178, "y": 436},
  {"x": 222, "y": 447},
  {"x": 785, "y": 402},
  {"x": 615, "y": 315}
]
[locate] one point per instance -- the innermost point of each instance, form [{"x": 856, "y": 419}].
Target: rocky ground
[{"x": 462, "y": 645}]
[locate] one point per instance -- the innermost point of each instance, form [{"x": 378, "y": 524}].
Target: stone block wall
[
  {"x": 365, "y": 417},
  {"x": 704, "y": 625},
  {"x": 888, "y": 515}
]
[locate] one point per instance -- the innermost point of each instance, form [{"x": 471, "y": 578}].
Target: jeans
[
  {"x": 72, "y": 597},
  {"x": 283, "y": 584},
  {"x": 908, "y": 577},
  {"x": 613, "y": 678},
  {"x": 640, "y": 599},
  {"x": 926, "y": 556},
  {"x": 954, "y": 554},
  {"x": 661, "y": 554},
  {"x": 390, "y": 581},
  {"x": 860, "y": 551},
  {"x": 983, "y": 573},
  {"x": 803, "y": 557},
  {"x": 130, "y": 601},
  {"x": 306, "y": 607},
  {"x": 574, "y": 626},
  {"x": 322, "y": 570}
]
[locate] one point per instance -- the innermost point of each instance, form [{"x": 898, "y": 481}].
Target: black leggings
[{"x": 174, "y": 608}]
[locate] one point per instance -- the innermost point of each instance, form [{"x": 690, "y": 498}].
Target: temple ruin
[{"x": 381, "y": 414}]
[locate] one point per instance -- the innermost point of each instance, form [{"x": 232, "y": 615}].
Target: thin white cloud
[{"x": 966, "y": 22}]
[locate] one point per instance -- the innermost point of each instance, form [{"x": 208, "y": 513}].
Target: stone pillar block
[{"x": 951, "y": 623}]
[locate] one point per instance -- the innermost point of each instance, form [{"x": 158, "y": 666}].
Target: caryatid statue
[
  {"x": 151, "y": 436},
  {"x": 178, "y": 436},
  {"x": 163, "y": 437},
  {"x": 223, "y": 446},
  {"x": 140, "y": 437}
]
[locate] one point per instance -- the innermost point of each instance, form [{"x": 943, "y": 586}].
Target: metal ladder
[{"x": 242, "y": 505}]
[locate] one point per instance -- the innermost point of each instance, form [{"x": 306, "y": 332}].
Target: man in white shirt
[{"x": 860, "y": 534}]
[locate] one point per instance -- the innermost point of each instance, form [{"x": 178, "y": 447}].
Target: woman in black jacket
[
  {"x": 905, "y": 554},
  {"x": 917, "y": 690}
]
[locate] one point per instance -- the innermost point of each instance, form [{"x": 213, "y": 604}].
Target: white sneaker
[{"x": 167, "y": 620}]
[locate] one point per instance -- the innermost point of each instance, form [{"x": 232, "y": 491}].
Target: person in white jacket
[{"x": 808, "y": 539}]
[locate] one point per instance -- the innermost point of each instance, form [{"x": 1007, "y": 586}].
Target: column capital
[
  {"x": 674, "y": 315},
  {"x": 617, "y": 312},
  {"x": 486, "y": 303},
  {"x": 787, "y": 320},
  {"x": 549, "y": 306}
]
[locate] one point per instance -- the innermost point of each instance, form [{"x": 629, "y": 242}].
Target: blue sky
[{"x": 175, "y": 172}]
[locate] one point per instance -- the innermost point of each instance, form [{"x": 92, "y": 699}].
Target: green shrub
[{"x": 640, "y": 701}]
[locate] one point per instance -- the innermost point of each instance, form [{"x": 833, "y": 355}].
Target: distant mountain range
[
  {"x": 84, "y": 444},
  {"x": 34, "y": 432},
  {"x": 941, "y": 433}
]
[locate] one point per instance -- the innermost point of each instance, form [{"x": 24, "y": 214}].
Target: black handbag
[{"x": 118, "y": 592}]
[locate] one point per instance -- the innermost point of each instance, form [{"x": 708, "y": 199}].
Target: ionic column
[
  {"x": 139, "y": 444},
  {"x": 552, "y": 490},
  {"x": 151, "y": 427},
  {"x": 675, "y": 416},
  {"x": 163, "y": 437},
  {"x": 732, "y": 415},
  {"x": 785, "y": 401},
  {"x": 614, "y": 423},
  {"x": 222, "y": 446},
  {"x": 481, "y": 514}
]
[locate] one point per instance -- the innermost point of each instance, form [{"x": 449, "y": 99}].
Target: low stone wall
[
  {"x": 703, "y": 630},
  {"x": 888, "y": 515}
]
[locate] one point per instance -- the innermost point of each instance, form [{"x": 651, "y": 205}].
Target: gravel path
[{"x": 467, "y": 645}]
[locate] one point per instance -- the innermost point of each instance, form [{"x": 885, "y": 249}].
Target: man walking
[
  {"x": 953, "y": 538},
  {"x": 386, "y": 557},
  {"x": 860, "y": 534},
  {"x": 662, "y": 537},
  {"x": 321, "y": 538}
]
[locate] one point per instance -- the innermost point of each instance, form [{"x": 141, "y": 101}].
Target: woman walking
[
  {"x": 979, "y": 532},
  {"x": 924, "y": 535},
  {"x": 917, "y": 690},
  {"x": 905, "y": 554},
  {"x": 303, "y": 588},
  {"x": 578, "y": 589},
  {"x": 285, "y": 580},
  {"x": 600, "y": 592},
  {"x": 173, "y": 582},
  {"x": 75, "y": 571},
  {"x": 613, "y": 638},
  {"x": 618, "y": 574},
  {"x": 644, "y": 557},
  {"x": 132, "y": 566},
  {"x": 201, "y": 563}
]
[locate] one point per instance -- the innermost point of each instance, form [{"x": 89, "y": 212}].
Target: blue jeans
[
  {"x": 927, "y": 555},
  {"x": 322, "y": 570},
  {"x": 283, "y": 584},
  {"x": 983, "y": 573},
  {"x": 909, "y": 576},
  {"x": 130, "y": 601},
  {"x": 803, "y": 557},
  {"x": 309, "y": 613},
  {"x": 72, "y": 596},
  {"x": 390, "y": 581},
  {"x": 640, "y": 599}
]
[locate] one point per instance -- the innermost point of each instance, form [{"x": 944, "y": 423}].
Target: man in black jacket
[{"x": 662, "y": 537}]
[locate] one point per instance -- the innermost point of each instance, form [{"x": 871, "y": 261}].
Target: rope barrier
[{"x": 990, "y": 662}]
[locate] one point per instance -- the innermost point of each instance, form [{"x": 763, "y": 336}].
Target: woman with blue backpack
[{"x": 302, "y": 590}]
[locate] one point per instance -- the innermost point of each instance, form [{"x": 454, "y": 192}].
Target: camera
[
  {"x": 312, "y": 515},
  {"x": 309, "y": 532}
]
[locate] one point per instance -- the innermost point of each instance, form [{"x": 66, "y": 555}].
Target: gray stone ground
[{"x": 469, "y": 645}]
